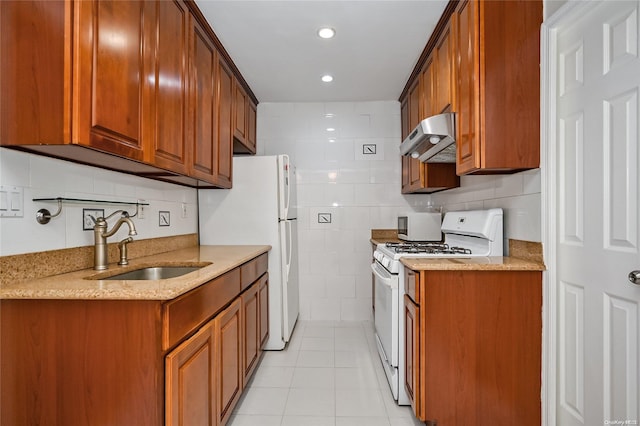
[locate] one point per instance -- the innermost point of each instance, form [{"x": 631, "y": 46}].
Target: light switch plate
[
  {"x": 11, "y": 201},
  {"x": 164, "y": 218}
]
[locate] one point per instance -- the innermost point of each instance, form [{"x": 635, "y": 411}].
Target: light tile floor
[{"x": 329, "y": 375}]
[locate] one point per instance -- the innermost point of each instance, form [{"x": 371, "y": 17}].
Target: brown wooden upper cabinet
[
  {"x": 224, "y": 81},
  {"x": 418, "y": 177},
  {"x": 129, "y": 86},
  {"x": 244, "y": 120},
  {"x": 240, "y": 113},
  {"x": 171, "y": 77},
  {"x": 444, "y": 88},
  {"x": 498, "y": 71},
  {"x": 252, "y": 111},
  {"x": 482, "y": 62}
]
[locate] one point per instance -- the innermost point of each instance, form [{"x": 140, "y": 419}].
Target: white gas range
[{"x": 475, "y": 233}]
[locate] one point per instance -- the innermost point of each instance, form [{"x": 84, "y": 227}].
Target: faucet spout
[
  {"x": 118, "y": 224},
  {"x": 101, "y": 234}
]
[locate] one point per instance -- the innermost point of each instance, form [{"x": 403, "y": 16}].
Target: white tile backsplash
[
  {"x": 363, "y": 192},
  {"x": 517, "y": 194},
  {"x": 43, "y": 177},
  {"x": 336, "y": 177}
]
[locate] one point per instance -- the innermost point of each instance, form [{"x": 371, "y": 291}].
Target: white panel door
[{"x": 598, "y": 222}]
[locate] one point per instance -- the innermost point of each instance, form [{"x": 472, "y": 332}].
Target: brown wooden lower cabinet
[
  {"x": 411, "y": 354},
  {"x": 264, "y": 309},
  {"x": 251, "y": 325},
  {"x": 132, "y": 362},
  {"x": 473, "y": 347},
  {"x": 228, "y": 359},
  {"x": 207, "y": 373},
  {"x": 190, "y": 381}
]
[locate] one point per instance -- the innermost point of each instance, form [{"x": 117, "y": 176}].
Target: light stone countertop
[
  {"x": 75, "y": 285},
  {"x": 493, "y": 263}
]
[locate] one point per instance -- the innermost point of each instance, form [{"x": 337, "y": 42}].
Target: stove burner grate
[{"x": 427, "y": 248}]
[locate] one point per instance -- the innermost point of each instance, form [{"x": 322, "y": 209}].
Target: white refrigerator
[{"x": 260, "y": 209}]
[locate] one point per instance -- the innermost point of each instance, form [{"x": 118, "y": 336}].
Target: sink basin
[{"x": 154, "y": 273}]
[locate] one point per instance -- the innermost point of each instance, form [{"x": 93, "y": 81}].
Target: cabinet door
[
  {"x": 224, "y": 117},
  {"x": 171, "y": 86},
  {"x": 204, "y": 60},
  {"x": 428, "y": 86},
  {"x": 444, "y": 87},
  {"x": 252, "y": 111},
  {"x": 414, "y": 118},
  {"x": 113, "y": 63},
  {"x": 412, "y": 356},
  {"x": 263, "y": 297},
  {"x": 251, "y": 330},
  {"x": 33, "y": 105},
  {"x": 228, "y": 356},
  {"x": 240, "y": 113},
  {"x": 416, "y": 175},
  {"x": 404, "y": 119},
  {"x": 467, "y": 72},
  {"x": 189, "y": 383}
]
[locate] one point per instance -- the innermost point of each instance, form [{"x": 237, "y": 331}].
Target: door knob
[{"x": 634, "y": 277}]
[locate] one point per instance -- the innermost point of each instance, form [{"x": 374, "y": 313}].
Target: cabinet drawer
[
  {"x": 252, "y": 270},
  {"x": 186, "y": 313},
  {"x": 411, "y": 287}
]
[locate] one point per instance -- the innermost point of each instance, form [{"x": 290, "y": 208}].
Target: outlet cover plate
[
  {"x": 88, "y": 217},
  {"x": 164, "y": 218},
  {"x": 324, "y": 217}
]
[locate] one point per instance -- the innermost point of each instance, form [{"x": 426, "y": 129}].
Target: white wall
[
  {"x": 363, "y": 192},
  {"x": 517, "y": 194},
  {"x": 360, "y": 191},
  {"x": 551, "y": 6},
  {"x": 43, "y": 177}
]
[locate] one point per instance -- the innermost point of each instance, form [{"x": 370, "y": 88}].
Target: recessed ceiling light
[
  {"x": 326, "y": 32},
  {"x": 327, "y": 78}
]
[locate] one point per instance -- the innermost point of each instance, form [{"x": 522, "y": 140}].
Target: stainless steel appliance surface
[
  {"x": 475, "y": 233},
  {"x": 433, "y": 140}
]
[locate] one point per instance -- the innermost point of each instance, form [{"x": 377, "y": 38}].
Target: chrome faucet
[{"x": 101, "y": 234}]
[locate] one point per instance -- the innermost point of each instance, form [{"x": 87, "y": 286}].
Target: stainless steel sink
[{"x": 154, "y": 273}]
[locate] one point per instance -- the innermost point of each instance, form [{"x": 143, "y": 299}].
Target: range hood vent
[{"x": 433, "y": 140}]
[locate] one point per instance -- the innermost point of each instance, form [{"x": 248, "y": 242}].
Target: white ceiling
[{"x": 275, "y": 46}]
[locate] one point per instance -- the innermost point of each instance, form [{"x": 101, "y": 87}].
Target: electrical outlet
[
  {"x": 369, "y": 148},
  {"x": 89, "y": 217},
  {"x": 141, "y": 211},
  {"x": 164, "y": 218},
  {"x": 324, "y": 217}
]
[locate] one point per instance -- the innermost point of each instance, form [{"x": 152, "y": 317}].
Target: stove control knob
[{"x": 634, "y": 277}]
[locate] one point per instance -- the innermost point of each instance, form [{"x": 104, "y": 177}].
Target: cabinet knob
[{"x": 634, "y": 277}]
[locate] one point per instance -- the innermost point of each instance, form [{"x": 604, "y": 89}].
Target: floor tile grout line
[{"x": 368, "y": 357}]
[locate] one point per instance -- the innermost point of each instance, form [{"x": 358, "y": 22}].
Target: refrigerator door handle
[
  {"x": 288, "y": 183},
  {"x": 289, "y": 247}
]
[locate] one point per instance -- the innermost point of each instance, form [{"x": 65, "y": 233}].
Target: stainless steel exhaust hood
[{"x": 433, "y": 140}]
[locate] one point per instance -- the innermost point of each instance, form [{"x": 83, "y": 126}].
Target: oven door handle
[{"x": 382, "y": 274}]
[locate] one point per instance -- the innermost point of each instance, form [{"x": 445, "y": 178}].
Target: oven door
[{"x": 386, "y": 312}]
